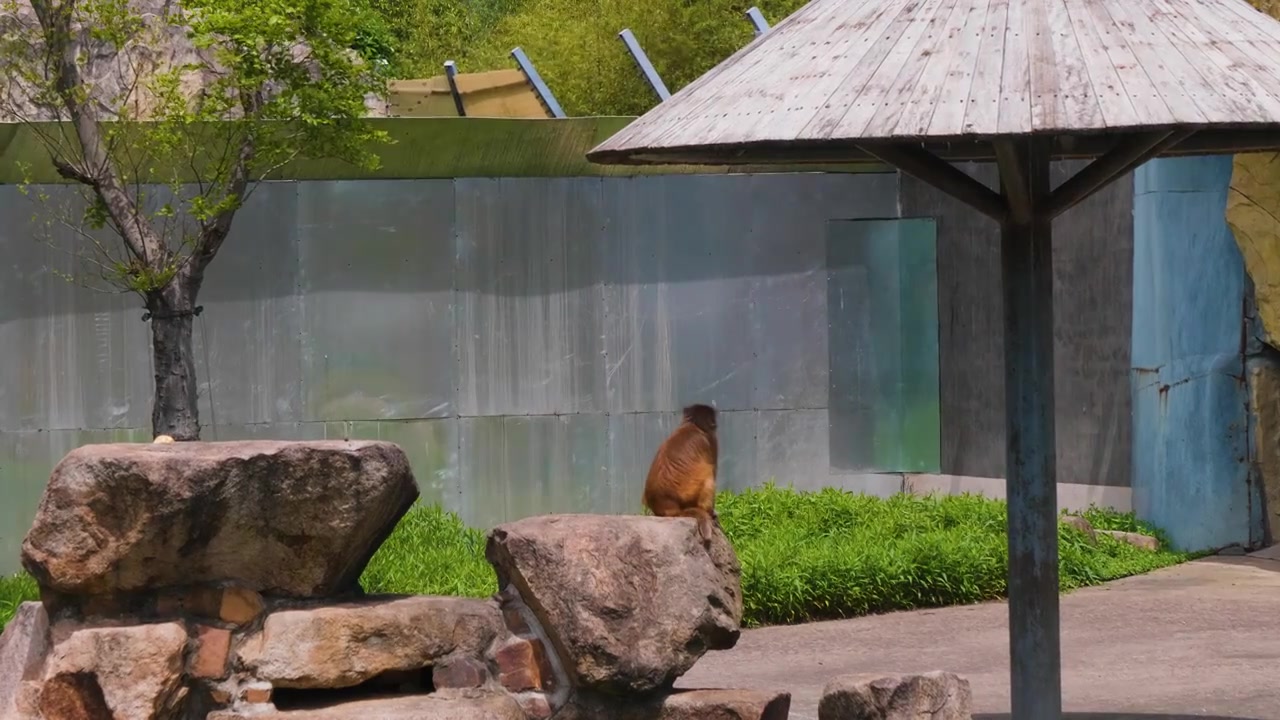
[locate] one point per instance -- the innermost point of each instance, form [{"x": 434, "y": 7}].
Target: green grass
[{"x": 805, "y": 555}]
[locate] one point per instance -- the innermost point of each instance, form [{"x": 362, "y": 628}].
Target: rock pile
[{"x": 219, "y": 581}]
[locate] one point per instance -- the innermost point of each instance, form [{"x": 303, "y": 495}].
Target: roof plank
[{"x": 949, "y": 72}]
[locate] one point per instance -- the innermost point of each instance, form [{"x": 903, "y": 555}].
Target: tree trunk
[{"x": 175, "y": 411}]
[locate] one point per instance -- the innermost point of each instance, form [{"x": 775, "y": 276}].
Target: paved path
[{"x": 1200, "y": 639}]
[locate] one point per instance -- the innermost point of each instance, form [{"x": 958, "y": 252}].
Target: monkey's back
[{"x": 683, "y": 473}]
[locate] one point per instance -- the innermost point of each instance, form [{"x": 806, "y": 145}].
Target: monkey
[
  {"x": 162, "y": 440},
  {"x": 682, "y": 478}
]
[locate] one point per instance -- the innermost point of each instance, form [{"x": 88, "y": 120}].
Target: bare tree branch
[{"x": 55, "y": 19}]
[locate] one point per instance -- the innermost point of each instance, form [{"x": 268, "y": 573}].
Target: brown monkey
[{"x": 682, "y": 478}]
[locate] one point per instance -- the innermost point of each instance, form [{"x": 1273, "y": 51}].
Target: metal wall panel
[
  {"x": 248, "y": 341},
  {"x": 528, "y": 293},
  {"x": 677, "y": 286},
  {"x": 71, "y": 352},
  {"x": 527, "y": 341},
  {"x": 1093, "y": 284},
  {"x": 377, "y": 299},
  {"x": 520, "y": 466},
  {"x": 883, "y": 313}
]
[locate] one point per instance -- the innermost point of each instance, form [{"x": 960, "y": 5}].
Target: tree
[{"x": 166, "y": 118}]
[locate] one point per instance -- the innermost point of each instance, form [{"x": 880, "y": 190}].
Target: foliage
[
  {"x": 805, "y": 555},
  {"x": 279, "y": 74},
  {"x": 426, "y": 33},
  {"x": 575, "y": 44},
  {"x": 15, "y": 590},
  {"x": 431, "y": 552}
]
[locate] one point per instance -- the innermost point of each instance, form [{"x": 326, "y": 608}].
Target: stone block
[
  {"x": 138, "y": 669},
  {"x": 23, "y": 647},
  {"x": 463, "y": 672},
  {"x": 628, "y": 603},
  {"x": 342, "y": 645},
  {"x": 213, "y": 645},
  {"x": 720, "y": 704},
  {"x": 523, "y": 665},
  {"x": 1138, "y": 540},
  {"x": 289, "y": 519},
  {"x": 935, "y": 695}
]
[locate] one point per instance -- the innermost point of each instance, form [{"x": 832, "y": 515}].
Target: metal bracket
[
  {"x": 539, "y": 87},
  {"x": 451, "y": 74},
  {"x": 756, "y": 18},
  {"x": 646, "y": 67}
]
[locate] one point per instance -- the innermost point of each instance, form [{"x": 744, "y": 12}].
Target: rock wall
[{"x": 219, "y": 581}]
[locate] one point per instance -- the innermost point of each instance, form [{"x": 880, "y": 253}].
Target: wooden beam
[
  {"x": 1013, "y": 179},
  {"x": 943, "y": 176},
  {"x": 1031, "y": 488},
  {"x": 1124, "y": 157},
  {"x": 839, "y": 152}
]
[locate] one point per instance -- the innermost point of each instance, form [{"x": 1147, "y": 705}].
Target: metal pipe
[
  {"x": 756, "y": 18},
  {"x": 646, "y": 67},
  {"x": 451, "y": 74},
  {"x": 539, "y": 87}
]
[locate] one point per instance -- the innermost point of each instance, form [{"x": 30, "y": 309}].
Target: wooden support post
[{"x": 1026, "y": 253}]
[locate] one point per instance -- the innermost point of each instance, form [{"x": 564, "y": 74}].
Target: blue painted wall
[{"x": 1190, "y": 420}]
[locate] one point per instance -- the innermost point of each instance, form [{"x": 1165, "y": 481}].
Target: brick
[
  {"x": 220, "y": 695},
  {"x": 458, "y": 673},
  {"x": 213, "y": 645},
  {"x": 240, "y": 606},
  {"x": 256, "y": 693},
  {"x": 523, "y": 665}
]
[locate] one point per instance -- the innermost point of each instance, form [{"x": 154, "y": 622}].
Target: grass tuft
[{"x": 805, "y": 555}]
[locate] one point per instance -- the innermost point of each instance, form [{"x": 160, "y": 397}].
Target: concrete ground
[{"x": 1198, "y": 640}]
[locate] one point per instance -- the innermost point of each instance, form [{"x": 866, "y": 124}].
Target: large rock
[
  {"x": 409, "y": 707},
  {"x": 933, "y": 695},
  {"x": 629, "y": 603},
  {"x": 293, "y": 519},
  {"x": 344, "y": 645},
  {"x": 23, "y": 646},
  {"x": 136, "y": 670},
  {"x": 682, "y": 705}
]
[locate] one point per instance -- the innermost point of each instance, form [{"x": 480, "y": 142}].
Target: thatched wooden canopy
[{"x": 917, "y": 83}]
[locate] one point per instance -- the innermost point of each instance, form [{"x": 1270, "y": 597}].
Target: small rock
[
  {"x": 343, "y": 645},
  {"x": 213, "y": 645},
  {"x": 293, "y": 519},
  {"x": 523, "y": 665},
  {"x": 23, "y": 646},
  {"x": 535, "y": 706},
  {"x": 682, "y": 705},
  {"x": 1082, "y": 524},
  {"x": 1138, "y": 540},
  {"x": 137, "y": 668},
  {"x": 629, "y": 603},
  {"x": 240, "y": 606},
  {"x": 463, "y": 672},
  {"x": 935, "y": 695}
]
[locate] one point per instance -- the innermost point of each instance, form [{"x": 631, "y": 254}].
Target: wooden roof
[{"x": 956, "y": 72}]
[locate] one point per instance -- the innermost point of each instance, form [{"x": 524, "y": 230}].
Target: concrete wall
[{"x": 1192, "y": 452}]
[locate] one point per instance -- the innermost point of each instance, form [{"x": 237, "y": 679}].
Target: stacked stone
[{"x": 219, "y": 581}]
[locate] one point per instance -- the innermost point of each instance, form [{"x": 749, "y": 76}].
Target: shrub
[{"x": 805, "y": 555}]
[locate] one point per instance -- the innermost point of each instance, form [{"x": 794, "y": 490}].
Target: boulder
[
  {"x": 628, "y": 603},
  {"x": 347, "y": 644},
  {"x": 23, "y": 646},
  {"x": 407, "y": 707},
  {"x": 1082, "y": 524},
  {"x": 682, "y": 705},
  {"x": 136, "y": 670},
  {"x": 1138, "y": 540},
  {"x": 935, "y": 695},
  {"x": 291, "y": 519}
]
